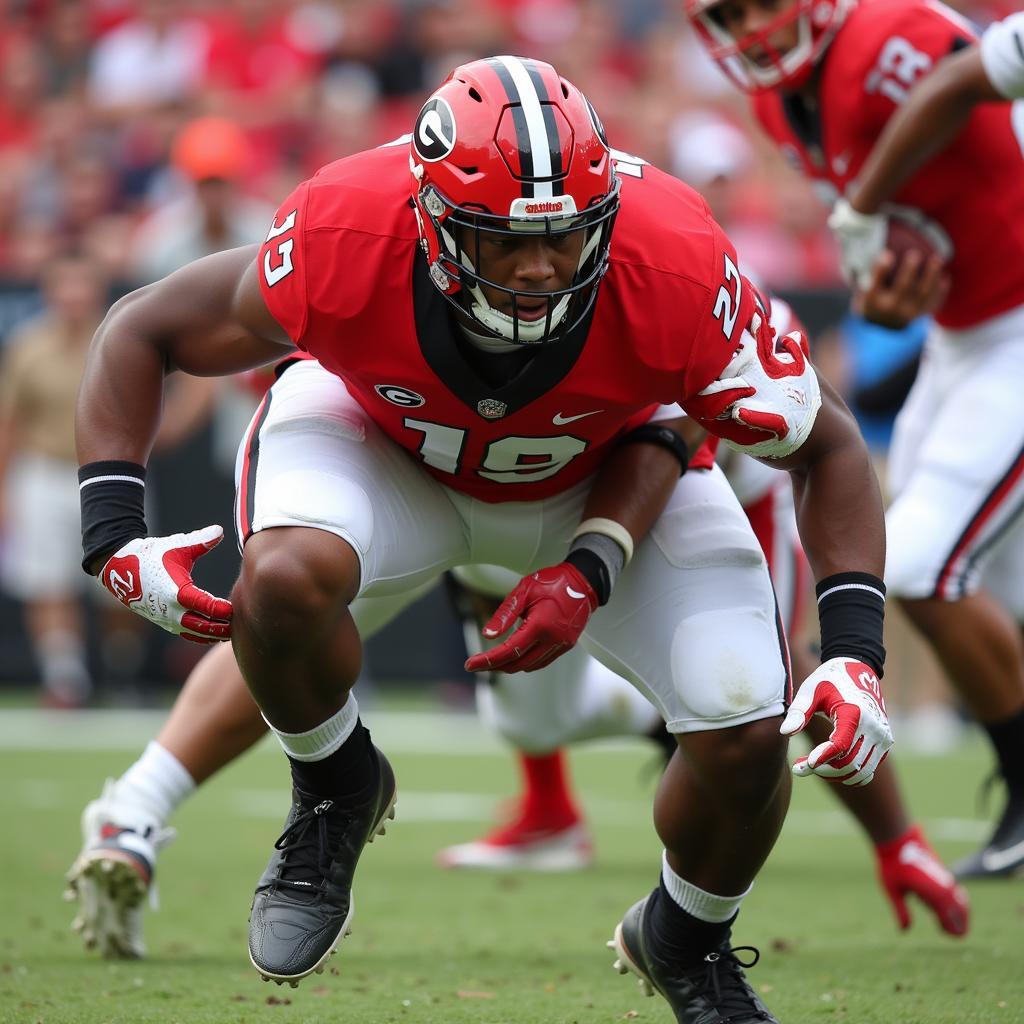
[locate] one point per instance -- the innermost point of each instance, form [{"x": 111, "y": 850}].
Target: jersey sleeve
[
  {"x": 765, "y": 400},
  {"x": 282, "y": 265},
  {"x": 1002, "y": 55}
]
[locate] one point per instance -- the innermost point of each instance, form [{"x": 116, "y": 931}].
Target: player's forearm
[
  {"x": 935, "y": 113},
  {"x": 121, "y": 393},
  {"x": 839, "y": 512}
]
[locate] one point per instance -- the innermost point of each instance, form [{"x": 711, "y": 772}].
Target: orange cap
[{"x": 210, "y": 147}]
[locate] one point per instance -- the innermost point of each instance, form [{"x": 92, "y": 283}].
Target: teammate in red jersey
[
  {"x": 455, "y": 409},
  {"x": 826, "y": 77}
]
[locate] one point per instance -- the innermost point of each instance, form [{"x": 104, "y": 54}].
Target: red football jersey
[
  {"x": 974, "y": 189},
  {"x": 343, "y": 273}
]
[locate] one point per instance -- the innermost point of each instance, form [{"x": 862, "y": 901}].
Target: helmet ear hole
[{"x": 474, "y": 95}]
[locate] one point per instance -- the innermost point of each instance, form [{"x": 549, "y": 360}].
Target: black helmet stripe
[
  {"x": 536, "y": 133},
  {"x": 550, "y": 124},
  {"x": 519, "y": 120}
]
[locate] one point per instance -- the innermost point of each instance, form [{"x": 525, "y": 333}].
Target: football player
[
  {"x": 936, "y": 111},
  {"x": 826, "y": 77},
  {"x": 478, "y": 348}
]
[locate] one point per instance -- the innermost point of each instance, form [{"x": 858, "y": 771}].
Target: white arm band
[{"x": 609, "y": 528}]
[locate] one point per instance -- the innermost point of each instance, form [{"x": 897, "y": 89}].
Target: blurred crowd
[
  {"x": 136, "y": 135},
  {"x": 95, "y": 96}
]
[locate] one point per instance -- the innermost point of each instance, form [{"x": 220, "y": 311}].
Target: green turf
[{"x": 430, "y": 946}]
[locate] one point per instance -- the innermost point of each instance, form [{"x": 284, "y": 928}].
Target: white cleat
[
  {"x": 519, "y": 849},
  {"x": 113, "y": 875}
]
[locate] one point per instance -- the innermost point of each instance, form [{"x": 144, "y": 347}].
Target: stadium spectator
[
  {"x": 40, "y": 369},
  {"x": 211, "y": 157},
  {"x": 154, "y": 58}
]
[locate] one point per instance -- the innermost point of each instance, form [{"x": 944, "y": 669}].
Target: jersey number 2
[
  {"x": 508, "y": 460},
  {"x": 277, "y": 272}
]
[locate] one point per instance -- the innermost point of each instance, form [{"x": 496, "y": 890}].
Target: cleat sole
[{"x": 625, "y": 964}]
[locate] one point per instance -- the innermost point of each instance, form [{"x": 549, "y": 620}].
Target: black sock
[
  {"x": 682, "y": 939},
  {"x": 348, "y": 772},
  {"x": 1007, "y": 737}
]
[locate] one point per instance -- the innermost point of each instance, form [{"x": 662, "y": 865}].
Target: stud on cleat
[{"x": 113, "y": 874}]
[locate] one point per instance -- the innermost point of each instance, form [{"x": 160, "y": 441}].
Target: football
[{"x": 909, "y": 230}]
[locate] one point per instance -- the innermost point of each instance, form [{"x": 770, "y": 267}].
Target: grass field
[{"x": 430, "y": 946}]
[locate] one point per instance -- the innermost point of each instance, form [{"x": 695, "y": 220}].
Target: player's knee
[
  {"x": 293, "y": 583},
  {"x": 727, "y": 664}
]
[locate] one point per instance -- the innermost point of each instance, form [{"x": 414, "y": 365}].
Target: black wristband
[
  {"x": 664, "y": 437},
  {"x": 113, "y": 496},
  {"x": 594, "y": 570},
  {"x": 851, "y": 612}
]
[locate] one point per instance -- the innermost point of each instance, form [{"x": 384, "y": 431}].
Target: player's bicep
[
  {"x": 205, "y": 318},
  {"x": 765, "y": 400}
]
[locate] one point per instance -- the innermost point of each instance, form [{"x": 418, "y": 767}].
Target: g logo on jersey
[
  {"x": 434, "y": 134},
  {"x": 399, "y": 396}
]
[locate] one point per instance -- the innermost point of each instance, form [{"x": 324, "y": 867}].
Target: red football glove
[
  {"x": 910, "y": 865},
  {"x": 153, "y": 577},
  {"x": 848, "y": 693},
  {"x": 554, "y": 604}
]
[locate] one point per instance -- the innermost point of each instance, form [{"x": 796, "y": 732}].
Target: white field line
[
  {"x": 403, "y": 732},
  {"x": 423, "y": 806}
]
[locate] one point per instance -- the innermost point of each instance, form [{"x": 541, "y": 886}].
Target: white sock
[
  {"x": 705, "y": 906},
  {"x": 157, "y": 783},
  {"x": 322, "y": 740}
]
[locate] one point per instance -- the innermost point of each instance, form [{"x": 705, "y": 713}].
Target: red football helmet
[
  {"x": 817, "y": 22},
  {"x": 507, "y": 146}
]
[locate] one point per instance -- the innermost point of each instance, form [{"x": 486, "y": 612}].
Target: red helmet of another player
[
  {"x": 755, "y": 61},
  {"x": 507, "y": 146}
]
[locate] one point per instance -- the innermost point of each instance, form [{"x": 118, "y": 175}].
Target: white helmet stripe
[{"x": 540, "y": 145}]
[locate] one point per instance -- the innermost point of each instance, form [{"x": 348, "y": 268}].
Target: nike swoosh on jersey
[
  {"x": 996, "y": 860},
  {"x": 559, "y": 420}
]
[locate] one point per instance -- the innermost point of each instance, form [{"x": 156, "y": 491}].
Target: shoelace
[
  {"x": 723, "y": 976},
  {"x": 305, "y": 845}
]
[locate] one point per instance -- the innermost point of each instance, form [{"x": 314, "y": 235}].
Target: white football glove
[
  {"x": 862, "y": 240},
  {"x": 153, "y": 577},
  {"x": 848, "y": 693}
]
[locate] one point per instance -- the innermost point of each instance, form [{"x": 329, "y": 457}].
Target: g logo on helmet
[{"x": 434, "y": 134}]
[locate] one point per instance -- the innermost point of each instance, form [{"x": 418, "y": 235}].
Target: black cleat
[
  {"x": 303, "y": 902},
  {"x": 1003, "y": 855},
  {"x": 716, "y": 991}
]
